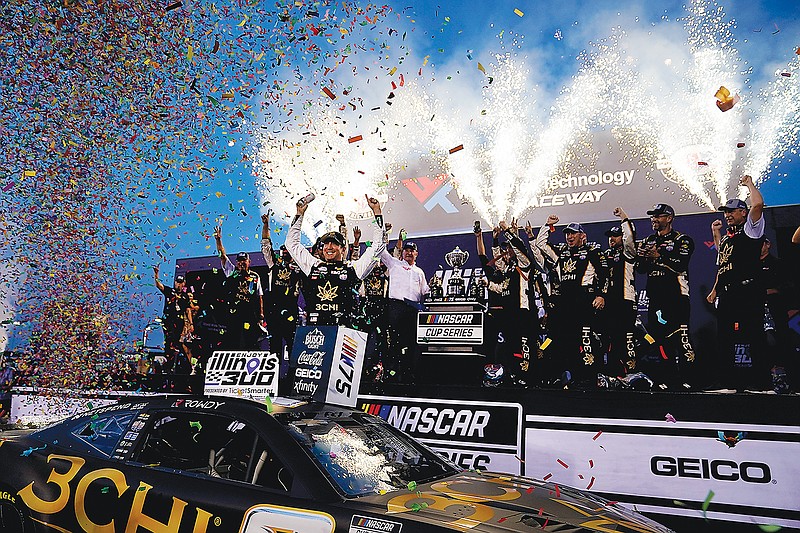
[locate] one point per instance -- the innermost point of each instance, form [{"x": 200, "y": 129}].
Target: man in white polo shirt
[{"x": 407, "y": 289}]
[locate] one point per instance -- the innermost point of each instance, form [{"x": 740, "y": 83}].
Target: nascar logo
[
  {"x": 452, "y": 318},
  {"x": 419, "y": 420}
]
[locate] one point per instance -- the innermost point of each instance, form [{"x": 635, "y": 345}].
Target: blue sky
[{"x": 170, "y": 199}]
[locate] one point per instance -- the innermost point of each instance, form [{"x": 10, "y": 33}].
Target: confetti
[
  {"x": 597, "y": 435},
  {"x": 707, "y": 502},
  {"x": 669, "y": 418},
  {"x": 518, "y": 13},
  {"x": 725, "y": 101},
  {"x": 329, "y": 93},
  {"x": 172, "y": 6},
  {"x": 457, "y": 148},
  {"x": 354, "y": 139}
]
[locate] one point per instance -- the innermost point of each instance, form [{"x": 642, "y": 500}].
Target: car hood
[{"x": 496, "y": 502}]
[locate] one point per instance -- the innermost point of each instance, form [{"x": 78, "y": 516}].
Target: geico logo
[
  {"x": 63, "y": 481},
  {"x": 719, "y": 469},
  {"x": 308, "y": 373},
  {"x": 462, "y": 423}
]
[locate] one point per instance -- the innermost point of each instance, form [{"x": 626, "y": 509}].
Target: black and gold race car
[{"x": 220, "y": 464}]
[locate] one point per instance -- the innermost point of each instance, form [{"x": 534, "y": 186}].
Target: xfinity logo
[{"x": 719, "y": 469}]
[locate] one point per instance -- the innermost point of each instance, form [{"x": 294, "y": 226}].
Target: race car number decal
[
  {"x": 455, "y": 499},
  {"x": 58, "y": 485},
  {"x": 274, "y": 519}
]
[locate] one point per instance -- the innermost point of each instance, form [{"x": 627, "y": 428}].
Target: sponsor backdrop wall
[{"x": 659, "y": 452}]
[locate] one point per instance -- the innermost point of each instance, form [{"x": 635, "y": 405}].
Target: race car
[{"x": 225, "y": 464}]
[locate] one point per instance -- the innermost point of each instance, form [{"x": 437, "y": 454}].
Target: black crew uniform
[
  {"x": 331, "y": 294},
  {"x": 579, "y": 276},
  {"x": 243, "y": 292},
  {"x": 740, "y": 309},
  {"x": 619, "y": 313},
  {"x": 513, "y": 329},
  {"x": 668, "y": 307},
  {"x": 176, "y": 305},
  {"x": 373, "y": 319}
]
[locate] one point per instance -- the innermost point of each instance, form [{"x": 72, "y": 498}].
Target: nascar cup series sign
[
  {"x": 247, "y": 374},
  {"x": 326, "y": 363},
  {"x": 479, "y": 435}
]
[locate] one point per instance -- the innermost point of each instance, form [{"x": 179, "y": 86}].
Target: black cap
[
  {"x": 661, "y": 209},
  {"x": 179, "y": 279},
  {"x": 333, "y": 236},
  {"x": 411, "y": 245},
  {"x": 242, "y": 256},
  {"x": 574, "y": 227},
  {"x": 733, "y": 203},
  {"x": 616, "y": 231}
]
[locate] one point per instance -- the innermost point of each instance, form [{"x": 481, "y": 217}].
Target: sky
[{"x": 130, "y": 132}]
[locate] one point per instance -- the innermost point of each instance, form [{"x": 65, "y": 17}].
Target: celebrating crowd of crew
[{"x": 559, "y": 313}]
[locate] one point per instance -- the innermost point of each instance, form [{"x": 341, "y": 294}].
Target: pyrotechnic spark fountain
[{"x": 654, "y": 94}]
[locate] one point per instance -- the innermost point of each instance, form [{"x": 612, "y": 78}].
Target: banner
[
  {"x": 326, "y": 363},
  {"x": 480, "y": 435},
  {"x": 242, "y": 373},
  {"x": 746, "y": 466},
  {"x": 451, "y": 328},
  {"x": 601, "y": 174}
]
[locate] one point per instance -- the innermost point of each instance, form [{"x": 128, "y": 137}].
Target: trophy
[
  {"x": 456, "y": 259},
  {"x": 437, "y": 292}
]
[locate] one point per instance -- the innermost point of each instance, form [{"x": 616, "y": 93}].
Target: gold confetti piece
[
  {"x": 518, "y": 12},
  {"x": 480, "y": 67},
  {"x": 391, "y": 72},
  {"x": 546, "y": 343},
  {"x": 190, "y": 53},
  {"x": 228, "y": 95},
  {"x": 425, "y": 60},
  {"x": 725, "y": 100}
]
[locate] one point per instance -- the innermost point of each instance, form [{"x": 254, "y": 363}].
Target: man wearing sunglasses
[
  {"x": 664, "y": 257},
  {"x": 331, "y": 287}
]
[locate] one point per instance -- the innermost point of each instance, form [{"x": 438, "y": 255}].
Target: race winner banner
[
  {"x": 247, "y": 374},
  {"x": 326, "y": 363}
]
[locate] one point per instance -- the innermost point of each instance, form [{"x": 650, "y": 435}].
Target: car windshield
[{"x": 362, "y": 453}]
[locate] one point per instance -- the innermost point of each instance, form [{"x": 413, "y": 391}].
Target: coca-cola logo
[{"x": 311, "y": 359}]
